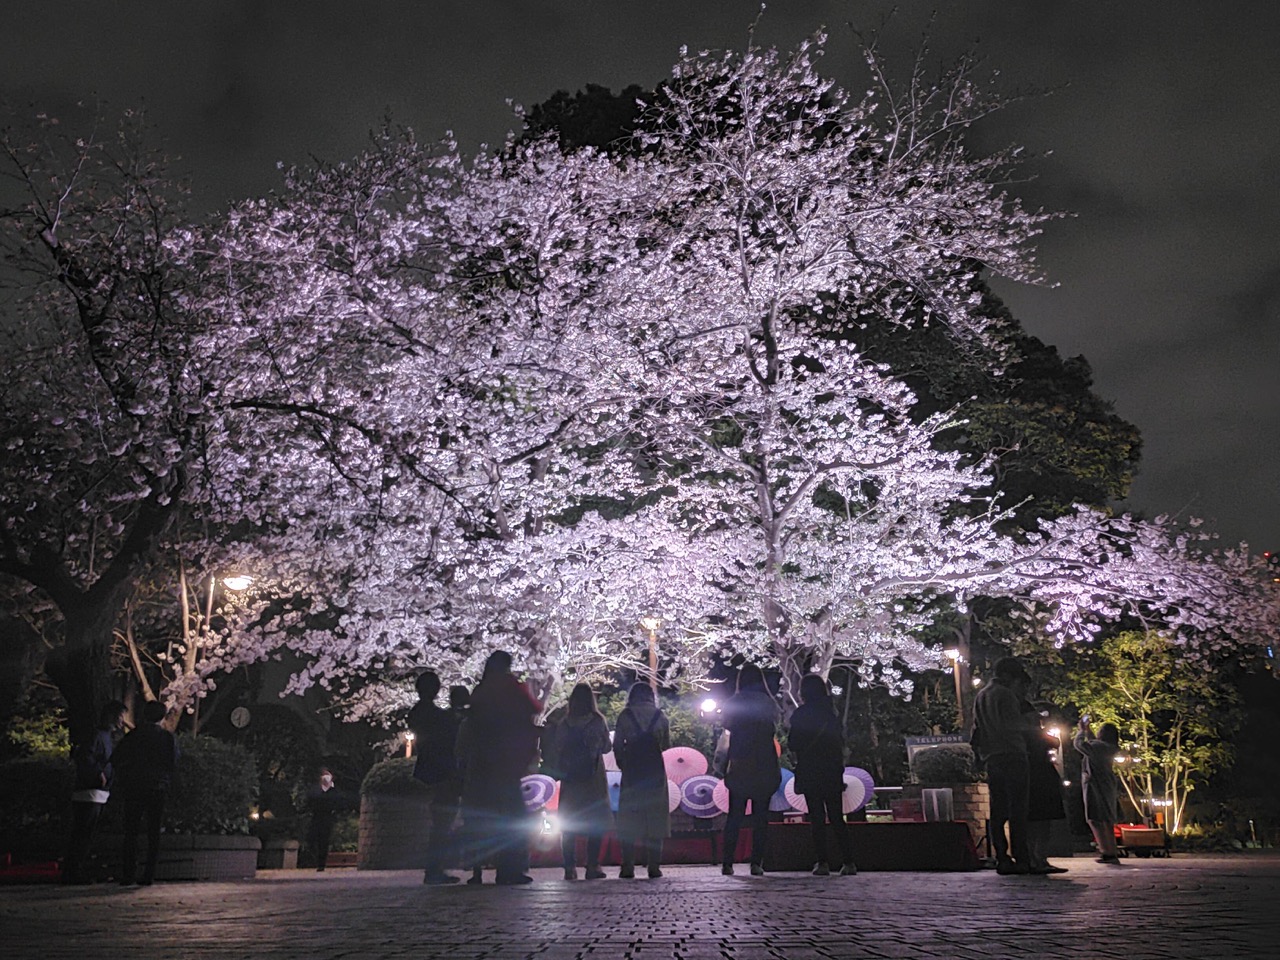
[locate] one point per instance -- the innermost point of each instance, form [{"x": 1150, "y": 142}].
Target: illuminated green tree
[{"x": 1175, "y": 717}]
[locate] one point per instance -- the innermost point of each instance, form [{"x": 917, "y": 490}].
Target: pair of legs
[
  {"x": 499, "y": 831},
  {"x": 151, "y": 806},
  {"x": 1009, "y": 782},
  {"x": 653, "y": 857},
  {"x": 823, "y": 808},
  {"x": 440, "y": 848},
  {"x": 569, "y": 852},
  {"x": 1104, "y": 835},
  {"x": 84, "y": 821},
  {"x": 759, "y": 823},
  {"x": 319, "y": 838}
]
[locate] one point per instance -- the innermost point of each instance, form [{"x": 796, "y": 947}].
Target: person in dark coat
[
  {"x": 144, "y": 763},
  {"x": 435, "y": 733},
  {"x": 499, "y": 742},
  {"x": 578, "y": 745},
  {"x": 817, "y": 742},
  {"x": 644, "y": 813},
  {"x": 1044, "y": 804},
  {"x": 323, "y": 801},
  {"x": 93, "y": 773},
  {"x": 1100, "y": 784},
  {"x": 752, "y": 771},
  {"x": 1000, "y": 737}
]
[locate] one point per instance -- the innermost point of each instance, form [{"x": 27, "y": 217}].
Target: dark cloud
[{"x": 1161, "y": 134}]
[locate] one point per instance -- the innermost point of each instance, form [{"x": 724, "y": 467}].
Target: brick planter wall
[
  {"x": 185, "y": 856},
  {"x": 394, "y": 830},
  {"x": 972, "y": 803}
]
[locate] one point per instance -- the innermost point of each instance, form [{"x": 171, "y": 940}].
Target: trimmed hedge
[
  {"x": 393, "y": 777},
  {"x": 213, "y": 789},
  {"x": 948, "y": 763}
]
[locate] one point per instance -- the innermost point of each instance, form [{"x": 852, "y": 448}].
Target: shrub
[
  {"x": 392, "y": 777},
  {"x": 35, "y": 796},
  {"x": 213, "y": 789},
  {"x": 951, "y": 763}
]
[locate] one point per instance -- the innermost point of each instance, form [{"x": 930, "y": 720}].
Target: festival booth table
[{"x": 904, "y": 845}]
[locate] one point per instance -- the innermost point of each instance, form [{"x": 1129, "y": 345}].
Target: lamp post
[
  {"x": 408, "y": 744},
  {"x": 652, "y": 624},
  {"x": 953, "y": 654}
]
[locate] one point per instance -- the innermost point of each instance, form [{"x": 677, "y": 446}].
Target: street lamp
[
  {"x": 953, "y": 654},
  {"x": 237, "y": 582},
  {"x": 408, "y": 744},
  {"x": 652, "y": 624}
]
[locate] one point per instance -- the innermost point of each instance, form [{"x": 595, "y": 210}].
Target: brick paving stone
[{"x": 1186, "y": 907}]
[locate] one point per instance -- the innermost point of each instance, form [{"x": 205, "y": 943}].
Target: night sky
[{"x": 1164, "y": 127}]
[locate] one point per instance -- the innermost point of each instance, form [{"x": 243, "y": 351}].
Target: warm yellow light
[
  {"x": 1054, "y": 732},
  {"x": 237, "y": 582}
]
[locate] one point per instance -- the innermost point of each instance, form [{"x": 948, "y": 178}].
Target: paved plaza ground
[{"x": 1202, "y": 907}]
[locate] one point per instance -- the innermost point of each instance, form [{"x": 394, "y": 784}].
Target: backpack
[
  {"x": 642, "y": 762},
  {"x": 577, "y": 760}
]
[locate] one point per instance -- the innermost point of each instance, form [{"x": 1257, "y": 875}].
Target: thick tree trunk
[{"x": 81, "y": 667}]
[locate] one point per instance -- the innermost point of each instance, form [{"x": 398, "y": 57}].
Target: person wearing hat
[{"x": 1000, "y": 735}]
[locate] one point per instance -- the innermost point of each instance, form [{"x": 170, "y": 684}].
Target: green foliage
[
  {"x": 393, "y": 776},
  {"x": 34, "y": 795},
  {"x": 41, "y": 735},
  {"x": 213, "y": 790},
  {"x": 1176, "y": 721},
  {"x": 286, "y": 751},
  {"x": 947, "y": 763}
]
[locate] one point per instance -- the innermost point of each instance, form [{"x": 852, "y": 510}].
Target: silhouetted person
[
  {"x": 644, "y": 814},
  {"x": 499, "y": 742},
  {"x": 435, "y": 733},
  {"x": 144, "y": 764},
  {"x": 323, "y": 801},
  {"x": 579, "y": 743},
  {"x": 1100, "y": 784},
  {"x": 817, "y": 742},
  {"x": 1000, "y": 734},
  {"x": 752, "y": 772},
  {"x": 93, "y": 773},
  {"x": 1044, "y": 804}
]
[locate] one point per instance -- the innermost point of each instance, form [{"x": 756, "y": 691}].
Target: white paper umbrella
[
  {"x": 780, "y": 801},
  {"x": 673, "y": 796},
  {"x": 796, "y": 800},
  {"x": 683, "y": 763},
  {"x": 859, "y": 788}
]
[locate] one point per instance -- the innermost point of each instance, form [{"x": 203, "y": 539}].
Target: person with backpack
[
  {"x": 435, "y": 732},
  {"x": 817, "y": 742},
  {"x": 644, "y": 815},
  {"x": 579, "y": 744},
  {"x": 752, "y": 772}
]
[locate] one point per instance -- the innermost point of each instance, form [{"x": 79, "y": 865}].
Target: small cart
[{"x": 1142, "y": 841}]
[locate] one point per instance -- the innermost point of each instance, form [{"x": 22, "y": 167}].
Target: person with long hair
[
  {"x": 644, "y": 818},
  {"x": 1100, "y": 784},
  {"x": 817, "y": 741},
  {"x": 580, "y": 742},
  {"x": 752, "y": 773}
]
